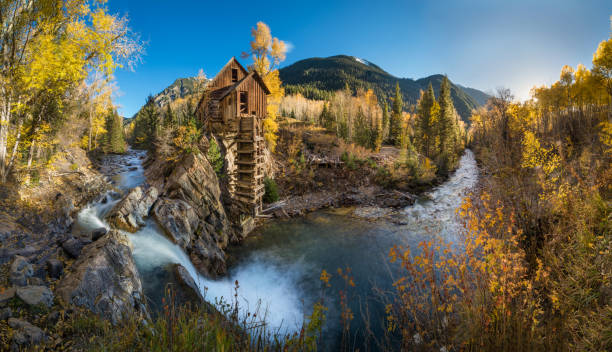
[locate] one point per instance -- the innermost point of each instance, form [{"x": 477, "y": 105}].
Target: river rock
[
  {"x": 130, "y": 212},
  {"x": 104, "y": 279},
  {"x": 189, "y": 289},
  {"x": 25, "y": 334},
  {"x": 55, "y": 268},
  {"x": 98, "y": 233},
  {"x": 35, "y": 295},
  {"x": 21, "y": 270},
  {"x": 74, "y": 246},
  {"x": 177, "y": 218},
  {"x": 207, "y": 257}
]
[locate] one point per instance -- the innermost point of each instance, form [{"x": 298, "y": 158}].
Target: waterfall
[{"x": 264, "y": 289}]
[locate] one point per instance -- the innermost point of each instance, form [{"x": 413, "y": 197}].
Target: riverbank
[
  {"x": 36, "y": 218},
  {"x": 316, "y": 170}
]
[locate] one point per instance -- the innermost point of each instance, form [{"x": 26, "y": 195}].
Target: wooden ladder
[{"x": 249, "y": 187}]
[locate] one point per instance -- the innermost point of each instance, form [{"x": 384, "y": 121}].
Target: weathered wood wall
[
  {"x": 257, "y": 97},
  {"x": 224, "y": 78}
]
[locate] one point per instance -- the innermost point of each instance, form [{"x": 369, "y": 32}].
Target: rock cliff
[
  {"x": 192, "y": 215},
  {"x": 104, "y": 279}
]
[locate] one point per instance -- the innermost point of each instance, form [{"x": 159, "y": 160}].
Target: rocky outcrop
[
  {"x": 98, "y": 233},
  {"x": 198, "y": 238},
  {"x": 25, "y": 334},
  {"x": 191, "y": 214},
  {"x": 73, "y": 246},
  {"x": 193, "y": 180},
  {"x": 21, "y": 270},
  {"x": 178, "y": 219},
  {"x": 130, "y": 212},
  {"x": 189, "y": 289},
  {"x": 104, "y": 279},
  {"x": 35, "y": 295},
  {"x": 55, "y": 268}
]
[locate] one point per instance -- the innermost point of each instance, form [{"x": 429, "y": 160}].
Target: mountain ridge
[{"x": 316, "y": 77}]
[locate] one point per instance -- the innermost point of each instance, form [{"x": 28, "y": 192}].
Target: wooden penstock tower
[{"x": 233, "y": 110}]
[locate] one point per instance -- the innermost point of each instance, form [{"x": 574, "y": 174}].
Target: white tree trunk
[
  {"x": 31, "y": 153},
  {"x": 5, "y": 116},
  {"x": 16, "y": 146}
]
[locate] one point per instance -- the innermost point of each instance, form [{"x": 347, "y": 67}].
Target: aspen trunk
[
  {"x": 90, "y": 127},
  {"x": 16, "y": 146},
  {"x": 31, "y": 153},
  {"x": 4, "y": 126}
]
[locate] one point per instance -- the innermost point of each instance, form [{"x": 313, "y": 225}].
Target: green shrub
[
  {"x": 215, "y": 157},
  {"x": 271, "y": 189},
  {"x": 349, "y": 160}
]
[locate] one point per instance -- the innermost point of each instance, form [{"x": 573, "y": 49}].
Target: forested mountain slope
[{"x": 316, "y": 77}]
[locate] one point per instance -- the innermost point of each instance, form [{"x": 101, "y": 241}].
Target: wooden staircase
[{"x": 248, "y": 181}]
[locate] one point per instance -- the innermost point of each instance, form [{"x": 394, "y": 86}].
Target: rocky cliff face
[
  {"x": 130, "y": 212},
  {"x": 104, "y": 279},
  {"x": 191, "y": 213}
]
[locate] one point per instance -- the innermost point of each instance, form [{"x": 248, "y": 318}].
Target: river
[{"x": 278, "y": 269}]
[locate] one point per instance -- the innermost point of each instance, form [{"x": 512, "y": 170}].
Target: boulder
[
  {"x": 104, "y": 279},
  {"x": 55, "y": 268},
  {"x": 208, "y": 258},
  {"x": 25, "y": 334},
  {"x": 178, "y": 219},
  {"x": 189, "y": 289},
  {"x": 73, "y": 246},
  {"x": 130, "y": 212},
  {"x": 98, "y": 233},
  {"x": 35, "y": 295},
  {"x": 198, "y": 238},
  {"x": 20, "y": 271}
]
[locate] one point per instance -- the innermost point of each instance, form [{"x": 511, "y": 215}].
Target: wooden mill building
[{"x": 233, "y": 109}]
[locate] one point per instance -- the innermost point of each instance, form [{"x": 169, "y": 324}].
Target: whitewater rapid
[{"x": 264, "y": 289}]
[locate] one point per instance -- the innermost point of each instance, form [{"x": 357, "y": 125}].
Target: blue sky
[{"x": 477, "y": 43}]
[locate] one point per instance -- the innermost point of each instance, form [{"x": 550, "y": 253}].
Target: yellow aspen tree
[
  {"x": 602, "y": 68},
  {"x": 267, "y": 53}
]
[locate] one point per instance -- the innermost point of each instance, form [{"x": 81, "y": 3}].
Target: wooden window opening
[
  {"x": 234, "y": 75},
  {"x": 244, "y": 102}
]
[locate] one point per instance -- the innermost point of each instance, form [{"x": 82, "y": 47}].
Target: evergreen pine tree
[
  {"x": 115, "y": 138},
  {"x": 385, "y": 122},
  {"x": 377, "y": 134},
  {"x": 362, "y": 130},
  {"x": 425, "y": 137},
  {"x": 146, "y": 125},
  {"x": 396, "y": 117},
  {"x": 326, "y": 118},
  {"x": 169, "y": 117},
  {"x": 446, "y": 126}
]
